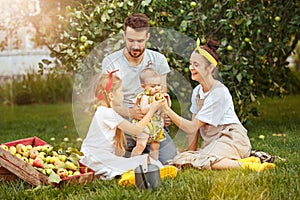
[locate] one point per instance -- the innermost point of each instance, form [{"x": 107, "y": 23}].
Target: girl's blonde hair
[{"x": 119, "y": 139}]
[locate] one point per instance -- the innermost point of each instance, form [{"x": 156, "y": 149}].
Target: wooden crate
[{"x": 12, "y": 167}]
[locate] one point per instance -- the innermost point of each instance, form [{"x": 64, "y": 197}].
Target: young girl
[
  {"x": 151, "y": 83},
  {"x": 225, "y": 141},
  {"x": 103, "y": 146}
]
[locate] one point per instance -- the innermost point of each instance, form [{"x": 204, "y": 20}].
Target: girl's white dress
[{"x": 98, "y": 146}]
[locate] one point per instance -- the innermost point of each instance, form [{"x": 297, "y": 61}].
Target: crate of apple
[{"x": 56, "y": 165}]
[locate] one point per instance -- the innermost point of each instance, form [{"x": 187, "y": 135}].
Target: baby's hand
[{"x": 158, "y": 101}]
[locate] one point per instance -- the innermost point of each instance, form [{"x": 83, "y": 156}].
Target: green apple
[
  {"x": 181, "y": 11},
  {"x": 54, "y": 154},
  {"x": 193, "y": 4},
  {"x": 66, "y": 139},
  {"x": 152, "y": 23},
  {"x": 26, "y": 154},
  {"x": 277, "y": 19},
  {"x": 3, "y": 146},
  {"x": 81, "y": 47},
  {"x": 62, "y": 158},
  {"x": 47, "y": 148},
  {"x": 53, "y": 159},
  {"x": 70, "y": 173},
  {"x": 30, "y": 161},
  {"x": 21, "y": 149},
  {"x": 38, "y": 148},
  {"x": 229, "y": 48},
  {"x": 159, "y": 96},
  {"x": 41, "y": 156},
  {"x": 48, "y": 171},
  {"x": 186, "y": 70},
  {"x": 203, "y": 41},
  {"x": 71, "y": 165},
  {"x": 247, "y": 39},
  {"x": 250, "y": 82},
  {"x": 25, "y": 159},
  {"x": 52, "y": 139},
  {"x": 83, "y": 39},
  {"x": 29, "y": 147},
  {"x": 18, "y": 155},
  {"x": 19, "y": 145},
  {"x": 48, "y": 159},
  {"x": 13, "y": 150},
  {"x": 76, "y": 173}
]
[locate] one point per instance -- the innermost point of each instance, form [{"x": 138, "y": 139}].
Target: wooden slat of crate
[
  {"x": 22, "y": 169},
  {"x": 6, "y": 175}
]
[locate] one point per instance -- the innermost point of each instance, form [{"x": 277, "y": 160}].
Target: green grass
[{"x": 278, "y": 116}]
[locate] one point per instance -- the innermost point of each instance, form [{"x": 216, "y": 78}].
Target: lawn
[{"x": 276, "y": 131}]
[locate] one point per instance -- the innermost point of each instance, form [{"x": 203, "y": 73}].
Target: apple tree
[{"x": 256, "y": 38}]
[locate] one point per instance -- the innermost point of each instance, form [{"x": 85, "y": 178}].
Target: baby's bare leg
[{"x": 154, "y": 147}]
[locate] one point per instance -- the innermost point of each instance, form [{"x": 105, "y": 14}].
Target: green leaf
[
  {"x": 54, "y": 178},
  {"x": 239, "y": 77}
]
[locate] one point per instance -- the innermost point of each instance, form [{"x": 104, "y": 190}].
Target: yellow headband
[{"x": 204, "y": 53}]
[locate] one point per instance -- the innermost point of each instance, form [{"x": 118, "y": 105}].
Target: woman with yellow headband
[{"x": 225, "y": 141}]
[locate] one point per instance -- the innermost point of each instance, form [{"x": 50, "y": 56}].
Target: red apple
[
  {"x": 38, "y": 162},
  {"x": 62, "y": 172},
  {"x": 33, "y": 153}
]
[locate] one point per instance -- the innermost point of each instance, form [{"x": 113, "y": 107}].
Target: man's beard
[{"x": 138, "y": 52}]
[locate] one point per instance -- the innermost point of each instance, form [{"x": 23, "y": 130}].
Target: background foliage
[
  {"x": 256, "y": 39},
  {"x": 35, "y": 88}
]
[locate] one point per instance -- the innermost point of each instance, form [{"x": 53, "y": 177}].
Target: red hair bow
[{"x": 109, "y": 84}]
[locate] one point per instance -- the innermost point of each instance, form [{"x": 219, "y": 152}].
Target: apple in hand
[{"x": 159, "y": 96}]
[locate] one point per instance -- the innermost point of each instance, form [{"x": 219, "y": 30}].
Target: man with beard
[{"x": 130, "y": 61}]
